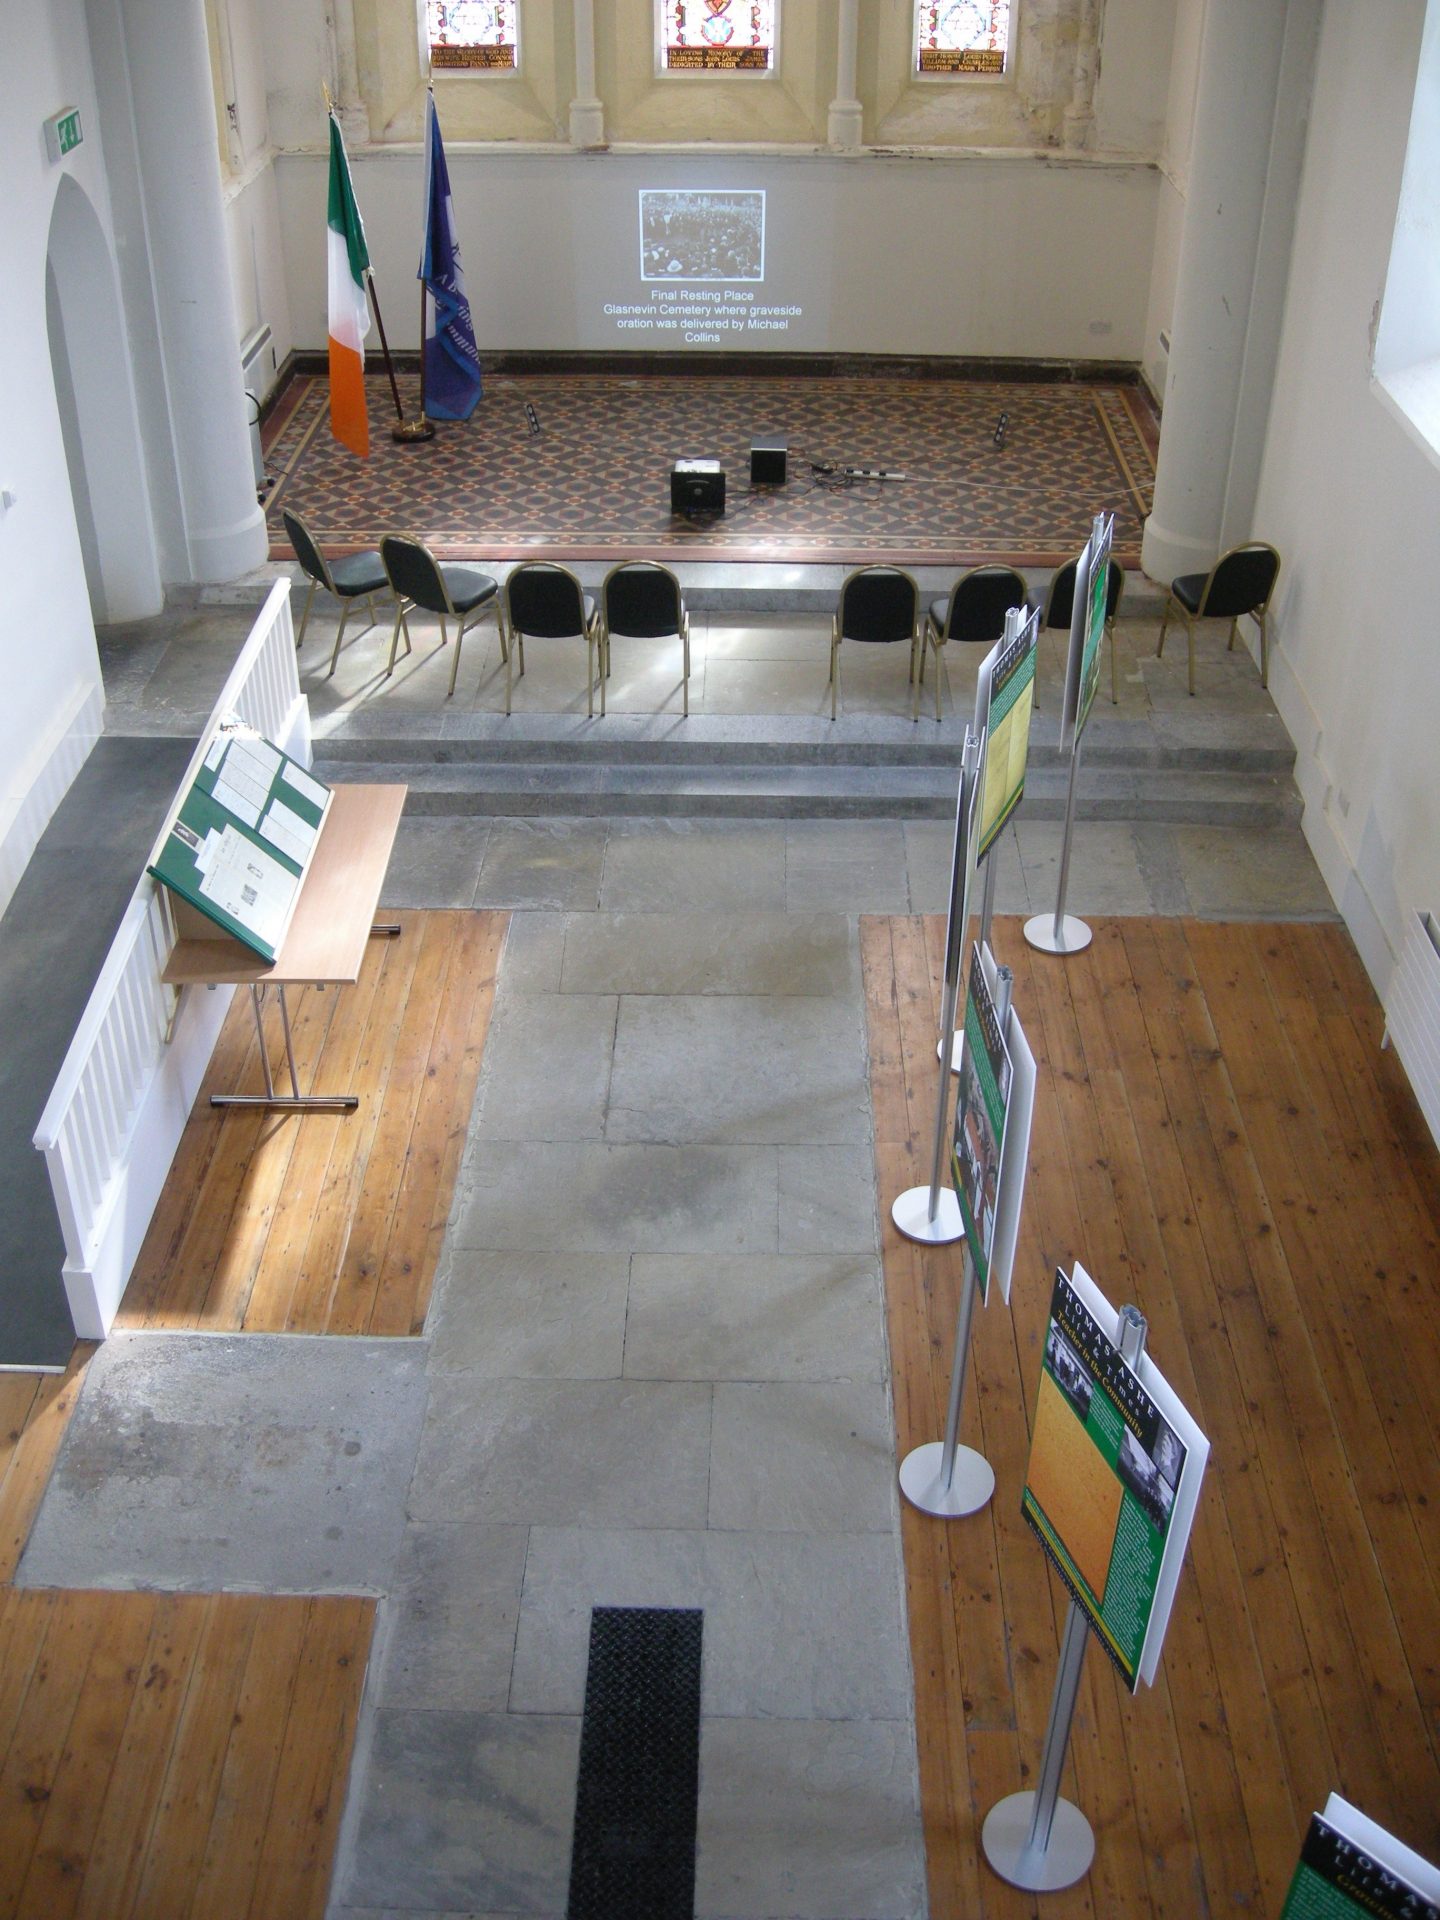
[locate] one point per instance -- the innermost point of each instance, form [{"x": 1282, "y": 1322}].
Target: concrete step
[{"x": 514, "y": 786}]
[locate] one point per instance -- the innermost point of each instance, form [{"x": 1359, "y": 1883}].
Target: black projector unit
[
  {"x": 768, "y": 458},
  {"x": 697, "y": 486}
]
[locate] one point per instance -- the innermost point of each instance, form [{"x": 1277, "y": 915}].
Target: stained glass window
[
  {"x": 718, "y": 35},
  {"x": 471, "y": 34},
  {"x": 962, "y": 36}
]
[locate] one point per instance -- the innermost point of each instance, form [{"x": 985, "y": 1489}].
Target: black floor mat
[{"x": 639, "y": 1782}]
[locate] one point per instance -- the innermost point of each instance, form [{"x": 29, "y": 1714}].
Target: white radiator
[
  {"x": 115, "y": 1115},
  {"x": 1412, "y": 1015}
]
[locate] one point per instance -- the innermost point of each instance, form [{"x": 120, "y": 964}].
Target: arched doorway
[{"x": 96, "y": 400}]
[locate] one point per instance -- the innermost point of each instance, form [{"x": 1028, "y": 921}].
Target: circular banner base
[
  {"x": 1005, "y": 1838},
  {"x": 911, "y": 1215},
  {"x": 972, "y": 1481},
  {"x": 1074, "y": 935}
]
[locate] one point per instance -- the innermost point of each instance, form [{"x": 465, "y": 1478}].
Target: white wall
[
  {"x": 986, "y": 256},
  {"x": 51, "y": 673},
  {"x": 1353, "y": 503}
]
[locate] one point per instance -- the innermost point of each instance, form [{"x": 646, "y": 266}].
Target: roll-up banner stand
[
  {"x": 931, "y": 1214},
  {"x": 988, "y": 1159},
  {"x": 1062, "y": 932},
  {"x": 1116, "y": 1464},
  {"x": 1004, "y": 702},
  {"x": 1350, "y": 1868}
]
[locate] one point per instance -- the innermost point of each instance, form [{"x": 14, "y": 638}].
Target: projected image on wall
[{"x": 702, "y": 234}]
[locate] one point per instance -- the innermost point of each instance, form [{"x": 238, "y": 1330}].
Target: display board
[
  {"x": 1004, "y": 702},
  {"x": 1114, "y": 1476},
  {"x": 993, "y": 1110},
  {"x": 242, "y": 840},
  {"x": 1350, "y": 1869},
  {"x": 1087, "y": 628}
]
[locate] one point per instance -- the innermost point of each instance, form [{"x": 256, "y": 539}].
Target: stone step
[
  {"x": 1254, "y": 743},
  {"x": 760, "y": 790}
]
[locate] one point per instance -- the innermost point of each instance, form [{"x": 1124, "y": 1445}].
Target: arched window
[
  {"x": 472, "y": 35},
  {"x": 716, "y": 36},
  {"x": 962, "y": 36}
]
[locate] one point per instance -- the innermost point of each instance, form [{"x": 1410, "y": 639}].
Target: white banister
[{"x": 117, "y": 1110}]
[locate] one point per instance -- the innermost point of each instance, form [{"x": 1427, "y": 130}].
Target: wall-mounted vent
[{"x": 1412, "y": 1015}]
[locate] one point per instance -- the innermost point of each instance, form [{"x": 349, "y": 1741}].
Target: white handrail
[{"x": 114, "y": 1116}]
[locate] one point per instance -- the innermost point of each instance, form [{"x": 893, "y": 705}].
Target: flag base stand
[
  {"x": 1008, "y": 1838},
  {"x": 406, "y": 431},
  {"x": 922, "y": 1481}
]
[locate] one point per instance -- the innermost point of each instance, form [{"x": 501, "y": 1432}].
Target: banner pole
[
  {"x": 1063, "y": 934},
  {"x": 1056, "y": 1848},
  {"x": 421, "y": 429},
  {"x": 385, "y": 346},
  {"x": 928, "y": 1214}
]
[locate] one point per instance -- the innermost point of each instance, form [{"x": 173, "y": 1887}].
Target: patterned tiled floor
[{"x": 593, "y": 482}]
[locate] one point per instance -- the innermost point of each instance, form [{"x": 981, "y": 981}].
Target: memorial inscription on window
[
  {"x": 719, "y": 36},
  {"x": 962, "y": 36},
  {"x": 472, "y": 36}
]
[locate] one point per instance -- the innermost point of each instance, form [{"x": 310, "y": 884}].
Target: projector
[{"x": 697, "y": 486}]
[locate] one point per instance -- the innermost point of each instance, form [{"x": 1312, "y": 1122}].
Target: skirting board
[
  {"x": 94, "y": 1291},
  {"x": 42, "y": 783}
]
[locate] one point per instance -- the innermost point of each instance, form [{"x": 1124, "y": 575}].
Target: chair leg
[
  {"x": 400, "y": 621},
  {"x": 339, "y": 635},
  {"x": 508, "y": 657},
  {"x": 1165, "y": 622},
  {"x": 1234, "y": 634},
  {"x": 370, "y": 603},
  {"x": 305, "y": 616},
  {"x": 938, "y": 644},
  {"x": 1264, "y": 652},
  {"x": 834, "y": 672},
  {"x": 455, "y": 663},
  {"x": 685, "y": 658},
  {"x": 1190, "y": 637},
  {"x": 1114, "y": 688}
]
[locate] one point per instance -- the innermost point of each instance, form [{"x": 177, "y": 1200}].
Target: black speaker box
[
  {"x": 697, "y": 486},
  {"x": 768, "y": 458}
]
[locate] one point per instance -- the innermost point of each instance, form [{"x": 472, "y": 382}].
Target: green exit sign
[{"x": 63, "y": 133}]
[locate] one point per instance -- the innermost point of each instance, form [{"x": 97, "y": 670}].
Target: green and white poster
[
  {"x": 993, "y": 1109},
  {"x": 1114, "y": 1477},
  {"x": 1087, "y": 628},
  {"x": 1004, "y": 701},
  {"x": 1352, "y": 1869}
]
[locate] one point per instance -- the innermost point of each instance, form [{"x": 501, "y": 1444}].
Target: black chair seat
[
  {"x": 359, "y": 573},
  {"x": 1189, "y": 589},
  {"x": 468, "y": 587}
]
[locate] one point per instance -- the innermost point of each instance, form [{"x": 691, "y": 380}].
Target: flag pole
[{"x": 406, "y": 431}]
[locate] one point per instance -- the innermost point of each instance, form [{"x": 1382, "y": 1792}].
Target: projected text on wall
[{"x": 702, "y": 272}]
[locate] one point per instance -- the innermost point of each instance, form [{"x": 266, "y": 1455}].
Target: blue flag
[{"x": 452, "y": 361}]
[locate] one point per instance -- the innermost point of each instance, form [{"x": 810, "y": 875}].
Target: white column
[
  {"x": 587, "y": 111},
  {"x": 845, "y": 131},
  {"x": 1220, "y": 242},
  {"x": 349, "y": 104},
  {"x": 206, "y": 428},
  {"x": 1079, "y": 117}
]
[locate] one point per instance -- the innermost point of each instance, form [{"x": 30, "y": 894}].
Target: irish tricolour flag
[{"x": 349, "y": 315}]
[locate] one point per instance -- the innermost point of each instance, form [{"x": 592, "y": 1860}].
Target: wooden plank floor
[
  {"x": 1219, "y": 1138},
  {"x": 330, "y": 1223}
]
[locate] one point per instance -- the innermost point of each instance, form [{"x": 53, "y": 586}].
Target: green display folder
[{"x": 242, "y": 841}]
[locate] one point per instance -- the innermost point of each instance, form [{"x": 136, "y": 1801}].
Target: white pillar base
[
  {"x": 587, "y": 123},
  {"x": 1166, "y": 554},
  {"x": 224, "y": 553},
  {"x": 845, "y": 131}
]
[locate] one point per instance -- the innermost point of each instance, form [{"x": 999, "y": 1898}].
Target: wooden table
[{"x": 324, "y": 944}]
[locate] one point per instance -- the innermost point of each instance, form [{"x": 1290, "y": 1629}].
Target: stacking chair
[
  {"x": 452, "y": 591},
  {"x": 359, "y": 576},
  {"x": 975, "y": 611},
  {"x": 1060, "y": 604},
  {"x": 878, "y": 606},
  {"x": 640, "y": 600},
  {"x": 548, "y": 603},
  {"x": 1241, "y": 581}
]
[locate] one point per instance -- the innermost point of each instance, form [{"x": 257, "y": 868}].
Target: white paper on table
[
  {"x": 236, "y": 802},
  {"x": 207, "y": 851},
  {"x": 246, "y": 883},
  {"x": 307, "y": 788},
  {"x": 215, "y": 752}
]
